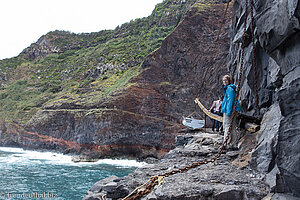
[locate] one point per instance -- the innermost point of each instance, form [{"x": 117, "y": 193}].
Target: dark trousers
[{"x": 215, "y": 123}]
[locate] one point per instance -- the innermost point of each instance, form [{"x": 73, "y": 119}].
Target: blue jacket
[{"x": 229, "y": 98}]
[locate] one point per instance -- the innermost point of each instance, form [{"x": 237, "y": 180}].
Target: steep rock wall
[{"x": 277, "y": 43}]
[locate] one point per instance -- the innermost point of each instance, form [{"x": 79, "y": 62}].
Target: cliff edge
[{"x": 229, "y": 177}]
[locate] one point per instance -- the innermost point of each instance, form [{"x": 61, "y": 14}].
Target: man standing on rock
[{"x": 227, "y": 107}]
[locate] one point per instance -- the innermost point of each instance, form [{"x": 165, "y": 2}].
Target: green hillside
[{"x": 82, "y": 69}]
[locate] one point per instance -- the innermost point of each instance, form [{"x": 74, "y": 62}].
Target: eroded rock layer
[{"x": 143, "y": 119}]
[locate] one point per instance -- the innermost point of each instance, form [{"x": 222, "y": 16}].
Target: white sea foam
[
  {"x": 21, "y": 156},
  {"x": 121, "y": 162}
]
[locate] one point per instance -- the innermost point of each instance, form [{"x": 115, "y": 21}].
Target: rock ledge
[{"x": 228, "y": 178}]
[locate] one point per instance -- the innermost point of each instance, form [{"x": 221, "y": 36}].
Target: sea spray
[{"x": 25, "y": 172}]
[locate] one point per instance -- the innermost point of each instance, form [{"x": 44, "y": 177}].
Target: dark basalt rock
[
  {"x": 221, "y": 180},
  {"x": 182, "y": 140},
  {"x": 277, "y": 42}
]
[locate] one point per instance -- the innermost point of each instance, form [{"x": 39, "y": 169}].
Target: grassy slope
[{"x": 87, "y": 68}]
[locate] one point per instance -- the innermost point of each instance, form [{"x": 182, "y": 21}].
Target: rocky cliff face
[
  {"x": 277, "y": 45},
  {"x": 41, "y": 48},
  {"x": 143, "y": 119},
  {"x": 276, "y": 155}
]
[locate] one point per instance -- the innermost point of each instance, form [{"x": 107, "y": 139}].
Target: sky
[{"x": 23, "y": 22}]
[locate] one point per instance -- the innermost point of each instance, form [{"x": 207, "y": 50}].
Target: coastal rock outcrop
[
  {"x": 277, "y": 47},
  {"x": 228, "y": 178}
]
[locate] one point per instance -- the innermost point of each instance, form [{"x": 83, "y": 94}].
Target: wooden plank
[
  {"x": 248, "y": 126},
  {"x": 251, "y": 127},
  {"x": 211, "y": 115}
]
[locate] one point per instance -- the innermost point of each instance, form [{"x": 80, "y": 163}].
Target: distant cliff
[{"x": 115, "y": 93}]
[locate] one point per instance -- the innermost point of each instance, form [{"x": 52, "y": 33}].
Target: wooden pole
[
  {"x": 205, "y": 122},
  {"x": 211, "y": 115},
  {"x": 251, "y": 127}
]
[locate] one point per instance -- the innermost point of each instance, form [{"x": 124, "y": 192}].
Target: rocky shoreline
[
  {"x": 143, "y": 120},
  {"x": 230, "y": 177}
]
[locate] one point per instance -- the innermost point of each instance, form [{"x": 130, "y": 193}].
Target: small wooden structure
[{"x": 248, "y": 122}]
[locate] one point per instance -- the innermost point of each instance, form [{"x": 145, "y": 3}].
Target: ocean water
[{"x": 45, "y": 175}]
